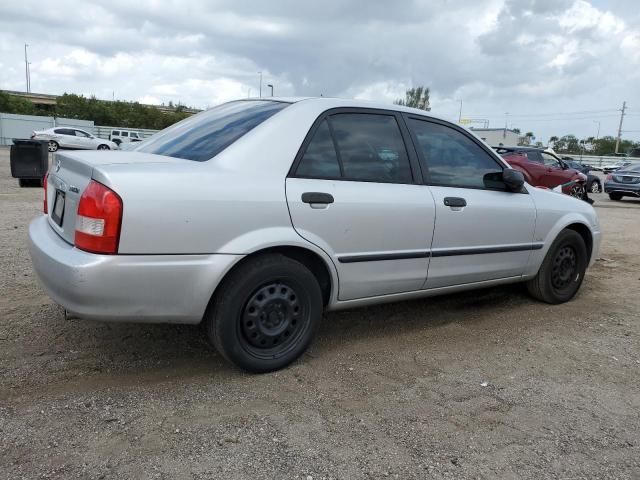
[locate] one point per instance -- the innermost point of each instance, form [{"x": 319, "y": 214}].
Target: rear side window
[
  {"x": 202, "y": 136},
  {"x": 453, "y": 159},
  {"x": 320, "y": 160},
  {"x": 124, "y": 134},
  {"x": 115, "y": 132},
  {"x": 358, "y": 147}
]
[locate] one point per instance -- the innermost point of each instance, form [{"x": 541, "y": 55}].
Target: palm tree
[
  {"x": 416, "y": 97},
  {"x": 552, "y": 140}
]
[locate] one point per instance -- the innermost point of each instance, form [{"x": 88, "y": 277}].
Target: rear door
[
  {"x": 482, "y": 231},
  {"x": 66, "y": 137},
  {"x": 355, "y": 191},
  {"x": 84, "y": 140}
]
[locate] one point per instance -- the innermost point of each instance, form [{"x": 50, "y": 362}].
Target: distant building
[{"x": 499, "y": 136}]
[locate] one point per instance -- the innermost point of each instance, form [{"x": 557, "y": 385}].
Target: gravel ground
[{"x": 488, "y": 384}]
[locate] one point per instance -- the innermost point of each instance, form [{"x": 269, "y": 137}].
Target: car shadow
[{"x": 183, "y": 350}]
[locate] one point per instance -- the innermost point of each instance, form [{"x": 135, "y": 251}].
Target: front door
[
  {"x": 482, "y": 231},
  {"x": 355, "y": 192}
]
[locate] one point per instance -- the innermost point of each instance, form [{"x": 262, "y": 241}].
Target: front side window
[
  {"x": 202, "y": 136},
  {"x": 80, "y": 133},
  {"x": 535, "y": 157},
  {"x": 124, "y": 134},
  {"x": 453, "y": 159},
  {"x": 550, "y": 160}
]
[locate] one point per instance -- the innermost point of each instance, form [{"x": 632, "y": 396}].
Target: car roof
[
  {"x": 521, "y": 149},
  {"x": 335, "y": 102}
]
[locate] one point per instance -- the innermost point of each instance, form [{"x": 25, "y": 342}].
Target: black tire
[
  {"x": 615, "y": 196},
  {"x": 117, "y": 141},
  {"x": 562, "y": 270},
  {"x": 595, "y": 187},
  {"x": 103, "y": 147},
  {"x": 265, "y": 313},
  {"x": 53, "y": 146}
]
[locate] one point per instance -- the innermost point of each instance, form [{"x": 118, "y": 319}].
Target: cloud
[{"x": 530, "y": 57}]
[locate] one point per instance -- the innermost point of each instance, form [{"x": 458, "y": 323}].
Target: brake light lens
[
  {"x": 99, "y": 220},
  {"x": 45, "y": 207}
]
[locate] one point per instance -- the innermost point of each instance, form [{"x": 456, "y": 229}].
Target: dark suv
[{"x": 542, "y": 168}]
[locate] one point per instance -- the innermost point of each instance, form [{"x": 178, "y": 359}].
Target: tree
[
  {"x": 14, "y": 104},
  {"x": 552, "y": 141},
  {"x": 416, "y": 97},
  {"x": 516, "y": 130}
]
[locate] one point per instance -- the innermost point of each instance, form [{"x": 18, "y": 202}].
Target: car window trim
[
  {"x": 411, "y": 156},
  {"x": 427, "y": 179}
]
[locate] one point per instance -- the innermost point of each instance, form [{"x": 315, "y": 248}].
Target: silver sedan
[{"x": 256, "y": 216}]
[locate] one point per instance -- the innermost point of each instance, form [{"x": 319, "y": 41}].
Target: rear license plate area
[{"x": 57, "y": 214}]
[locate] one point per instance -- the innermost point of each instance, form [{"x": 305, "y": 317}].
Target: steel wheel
[
  {"x": 564, "y": 269},
  {"x": 53, "y": 146},
  {"x": 273, "y": 319},
  {"x": 577, "y": 191},
  {"x": 595, "y": 187}
]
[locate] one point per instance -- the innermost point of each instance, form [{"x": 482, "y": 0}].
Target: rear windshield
[{"x": 202, "y": 136}]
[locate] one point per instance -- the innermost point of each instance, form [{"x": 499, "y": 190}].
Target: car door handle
[
  {"x": 317, "y": 197},
  {"x": 455, "y": 202}
]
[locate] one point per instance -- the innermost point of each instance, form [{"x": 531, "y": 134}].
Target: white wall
[{"x": 21, "y": 126}]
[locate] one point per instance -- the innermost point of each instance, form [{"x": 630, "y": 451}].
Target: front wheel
[
  {"x": 562, "y": 270},
  {"x": 265, "y": 313},
  {"x": 103, "y": 147},
  {"x": 577, "y": 191},
  {"x": 53, "y": 146}
]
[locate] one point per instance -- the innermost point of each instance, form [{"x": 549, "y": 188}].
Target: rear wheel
[
  {"x": 53, "y": 146},
  {"x": 595, "y": 187},
  {"x": 615, "y": 196},
  {"x": 103, "y": 147},
  {"x": 562, "y": 270},
  {"x": 265, "y": 313}
]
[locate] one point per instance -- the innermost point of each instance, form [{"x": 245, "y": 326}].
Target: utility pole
[
  {"x": 597, "y": 134},
  {"x": 506, "y": 121},
  {"x": 260, "y": 84},
  {"x": 271, "y": 87},
  {"x": 460, "y": 113},
  {"x": 26, "y": 68},
  {"x": 624, "y": 107}
]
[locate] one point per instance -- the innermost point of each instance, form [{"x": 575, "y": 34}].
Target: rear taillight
[
  {"x": 99, "y": 219},
  {"x": 609, "y": 177},
  {"x": 45, "y": 207}
]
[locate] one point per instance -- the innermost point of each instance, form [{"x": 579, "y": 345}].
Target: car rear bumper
[
  {"x": 136, "y": 288},
  {"x": 623, "y": 188}
]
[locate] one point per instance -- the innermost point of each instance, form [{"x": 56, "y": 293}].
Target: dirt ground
[{"x": 488, "y": 384}]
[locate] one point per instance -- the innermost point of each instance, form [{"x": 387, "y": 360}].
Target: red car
[{"x": 544, "y": 169}]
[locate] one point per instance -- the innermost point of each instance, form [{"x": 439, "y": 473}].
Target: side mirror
[{"x": 513, "y": 179}]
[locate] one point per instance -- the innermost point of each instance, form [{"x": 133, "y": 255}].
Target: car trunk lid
[{"x": 69, "y": 176}]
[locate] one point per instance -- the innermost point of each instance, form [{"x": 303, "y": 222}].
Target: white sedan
[{"x": 72, "y": 138}]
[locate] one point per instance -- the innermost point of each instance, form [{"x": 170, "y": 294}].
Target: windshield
[{"x": 202, "y": 136}]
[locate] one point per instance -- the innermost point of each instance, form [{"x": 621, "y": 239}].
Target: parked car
[
  {"x": 72, "y": 138},
  {"x": 594, "y": 185},
  {"x": 623, "y": 183},
  {"x": 125, "y": 136},
  {"x": 257, "y": 215},
  {"x": 543, "y": 168},
  {"x": 612, "y": 167}
]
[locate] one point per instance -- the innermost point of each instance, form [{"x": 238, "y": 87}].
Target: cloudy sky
[{"x": 556, "y": 66}]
